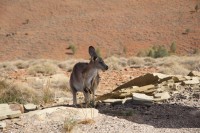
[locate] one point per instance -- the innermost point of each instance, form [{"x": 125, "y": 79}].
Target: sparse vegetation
[
  {"x": 125, "y": 50},
  {"x": 43, "y": 68},
  {"x": 173, "y": 47},
  {"x": 48, "y": 95},
  {"x": 187, "y": 31},
  {"x": 157, "y": 52},
  {"x": 196, "y": 51},
  {"x": 69, "y": 124},
  {"x": 196, "y": 8},
  {"x": 98, "y": 52},
  {"x": 21, "y": 64},
  {"x": 10, "y": 92},
  {"x": 73, "y": 48}
]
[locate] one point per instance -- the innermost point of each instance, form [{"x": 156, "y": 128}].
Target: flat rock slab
[
  {"x": 6, "y": 112},
  {"x": 30, "y": 107},
  {"x": 161, "y": 96},
  {"x": 142, "y": 97},
  {"x": 2, "y": 125},
  {"x": 61, "y": 113},
  {"x": 194, "y": 80}
]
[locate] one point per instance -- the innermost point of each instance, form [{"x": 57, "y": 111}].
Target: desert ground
[{"x": 41, "y": 41}]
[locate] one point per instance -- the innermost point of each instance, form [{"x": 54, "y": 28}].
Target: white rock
[
  {"x": 30, "y": 107},
  {"x": 61, "y": 113},
  {"x": 2, "y": 125},
  {"x": 142, "y": 97},
  {"x": 194, "y": 80}
]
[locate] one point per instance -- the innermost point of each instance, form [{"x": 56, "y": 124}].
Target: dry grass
[
  {"x": 45, "y": 68},
  {"x": 15, "y": 92},
  {"x": 69, "y": 124},
  {"x": 69, "y": 64},
  {"x": 48, "y": 94}
]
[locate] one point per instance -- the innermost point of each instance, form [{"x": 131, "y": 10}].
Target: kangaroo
[{"x": 85, "y": 77}]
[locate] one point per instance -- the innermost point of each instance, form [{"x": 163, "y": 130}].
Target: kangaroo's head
[{"x": 96, "y": 60}]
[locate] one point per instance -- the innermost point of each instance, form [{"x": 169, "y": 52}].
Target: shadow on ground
[{"x": 157, "y": 115}]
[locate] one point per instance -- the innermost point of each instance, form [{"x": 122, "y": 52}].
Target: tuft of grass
[
  {"x": 86, "y": 121},
  {"x": 197, "y": 8},
  {"x": 7, "y": 66},
  {"x": 43, "y": 68},
  {"x": 69, "y": 124},
  {"x": 48, "y": 95},
  {"x": 21, "y": 64},
  {"x": 173, "y": 47},
  {"x": 16, "y": 93}
]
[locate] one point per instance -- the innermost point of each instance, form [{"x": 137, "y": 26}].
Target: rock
[
  {"x": 2, "y": 125},
  {"x": 194, "y": 73},
  {"x": 6, "y": 112},
  {"x": 127, "y": 92},
  {"x": 142, "y": 97},
  {"x": 161, "y": 96},
  {"x": 178, "y": 78},
  {"x": 13, "y": 114},
  {"x": 195, "y": 80},
  {"x": 144, "y": 80},
  {"x": 16, "y": 107},
  {"x": 116, "y": 101},
  {"x": 61, "y": 113},
  {"x": 30, "y": 107}
]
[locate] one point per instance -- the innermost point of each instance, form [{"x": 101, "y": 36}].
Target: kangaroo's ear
[{"x": 92, "y": 52}]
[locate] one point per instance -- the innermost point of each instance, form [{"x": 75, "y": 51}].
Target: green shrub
[
  {"x": 196, "y": 51},
  {"x": 196, "y": 8},
  {"x": 173, "y": 47},
  {"x": 73, "y": 48},
  {"x": 98, "y": 52}
]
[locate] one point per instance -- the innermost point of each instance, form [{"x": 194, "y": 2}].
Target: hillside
[{"x": 44, "y": 29}]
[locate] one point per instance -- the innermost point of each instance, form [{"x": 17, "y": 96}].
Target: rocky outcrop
[{"x": 154, "y": 87}]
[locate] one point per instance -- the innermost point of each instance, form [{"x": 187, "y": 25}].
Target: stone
[
  {"x": 2, "y": 125},
  {"x": 61, "y": 112},
  {"x": 194, "y": 73},
  {"x": 6, "y": 112},
  {"x": 142, "y": 97},
  {"x": 13, "y": 114},
  {"x": 161, "y": 96},
  {"x": 15, "y": 107},
  {"x": 195, "y": 80},
  {"x": 144, "y": 80},
  {"x": 30, "y": 107}
]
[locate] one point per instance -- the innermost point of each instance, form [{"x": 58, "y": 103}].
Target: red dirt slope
[{"x": 44, "y": 29}]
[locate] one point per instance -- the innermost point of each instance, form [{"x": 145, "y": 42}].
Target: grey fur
[{"x": 85, "y": 76}]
